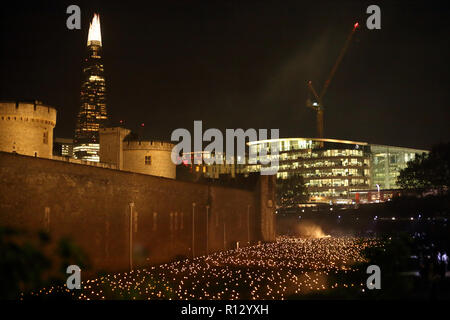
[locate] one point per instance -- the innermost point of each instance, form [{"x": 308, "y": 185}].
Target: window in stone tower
[
  {"x": 45, "y": 138},
  {"x": 148, "y": 160}
]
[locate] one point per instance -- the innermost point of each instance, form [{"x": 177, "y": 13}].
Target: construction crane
[{"x": 317, "y": 105}]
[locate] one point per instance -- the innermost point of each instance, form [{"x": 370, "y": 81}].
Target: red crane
[{"x": 317, "y": 105}]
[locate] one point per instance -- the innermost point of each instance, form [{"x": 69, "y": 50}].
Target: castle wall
[
  {"x": 111, "y": 145},
  {"x": 27, "y": 128},
  {"x": 93, "y": 206},
  {"x": 266, "y": 219},
  {"x": 159, "y": 164}
]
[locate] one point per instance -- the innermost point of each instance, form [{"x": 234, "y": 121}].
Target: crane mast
[{"x": 317, "y": 105}]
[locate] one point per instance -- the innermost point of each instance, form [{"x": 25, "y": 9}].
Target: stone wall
[
  {"x": 111, "y": 145},
  {"x": 97, "y": 206},
  {"x": 131, "y": 155},
  {"x": 158, "y": 154},
  {"x": 27, "y": 128}
]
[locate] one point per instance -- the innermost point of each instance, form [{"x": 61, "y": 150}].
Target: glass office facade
[
  {"x": 330, "y": 168},
  {"x": 386, "y": 163}
]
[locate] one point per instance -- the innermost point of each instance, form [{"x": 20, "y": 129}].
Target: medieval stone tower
[
  {"x": 27, "y": 128},
  {"x": 128, "y": 154}
]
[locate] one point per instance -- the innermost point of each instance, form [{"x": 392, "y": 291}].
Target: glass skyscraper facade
[{"x": 92, "y": 115}]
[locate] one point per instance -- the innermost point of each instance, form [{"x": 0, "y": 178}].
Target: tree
[
  {"x": 30, "y": 261},
  {"x": 291, "y": 191},
  {"x": 430, "y": 171},
  {"x": 413, "y": 177}
]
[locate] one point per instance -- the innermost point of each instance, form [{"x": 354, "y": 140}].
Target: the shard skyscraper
[{"x": 92, "y": 114}]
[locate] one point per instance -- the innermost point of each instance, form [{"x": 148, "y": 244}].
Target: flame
[{"x": 94, "y": 35}]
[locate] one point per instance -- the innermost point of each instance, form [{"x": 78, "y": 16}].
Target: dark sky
[{"x": 240, "y": 64}]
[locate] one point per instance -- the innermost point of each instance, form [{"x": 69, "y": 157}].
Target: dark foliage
[
  {"x": 291, "y": 191},
  {"x": 30, "y": 261},
  {"x": 427, "y": 172}
]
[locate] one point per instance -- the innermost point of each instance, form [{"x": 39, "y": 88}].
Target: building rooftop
[{"x": 312, "y": 139}]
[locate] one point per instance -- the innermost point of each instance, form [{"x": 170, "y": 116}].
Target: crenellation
[{"x": 150, "y": 145}]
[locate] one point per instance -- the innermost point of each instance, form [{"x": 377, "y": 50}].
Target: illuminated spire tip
[{"x": 95, "y": 36}]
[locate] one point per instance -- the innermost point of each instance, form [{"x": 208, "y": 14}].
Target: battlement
[
  {"x": 113, "y": 130},
  {"x": 84, "y": 162},
  {"x": 27, "y": 111},
  {"x": 148, "y": 145}
]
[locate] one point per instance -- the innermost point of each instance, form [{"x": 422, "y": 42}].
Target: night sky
[{"x": 240, "y": 64}]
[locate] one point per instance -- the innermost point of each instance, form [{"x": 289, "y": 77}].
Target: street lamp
[
  {"x": 248, "y": 224},
  {"x": 193, "y": 228},
  {"x": 131, "y": 236},
  {"x": 207, "y": 231}
]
